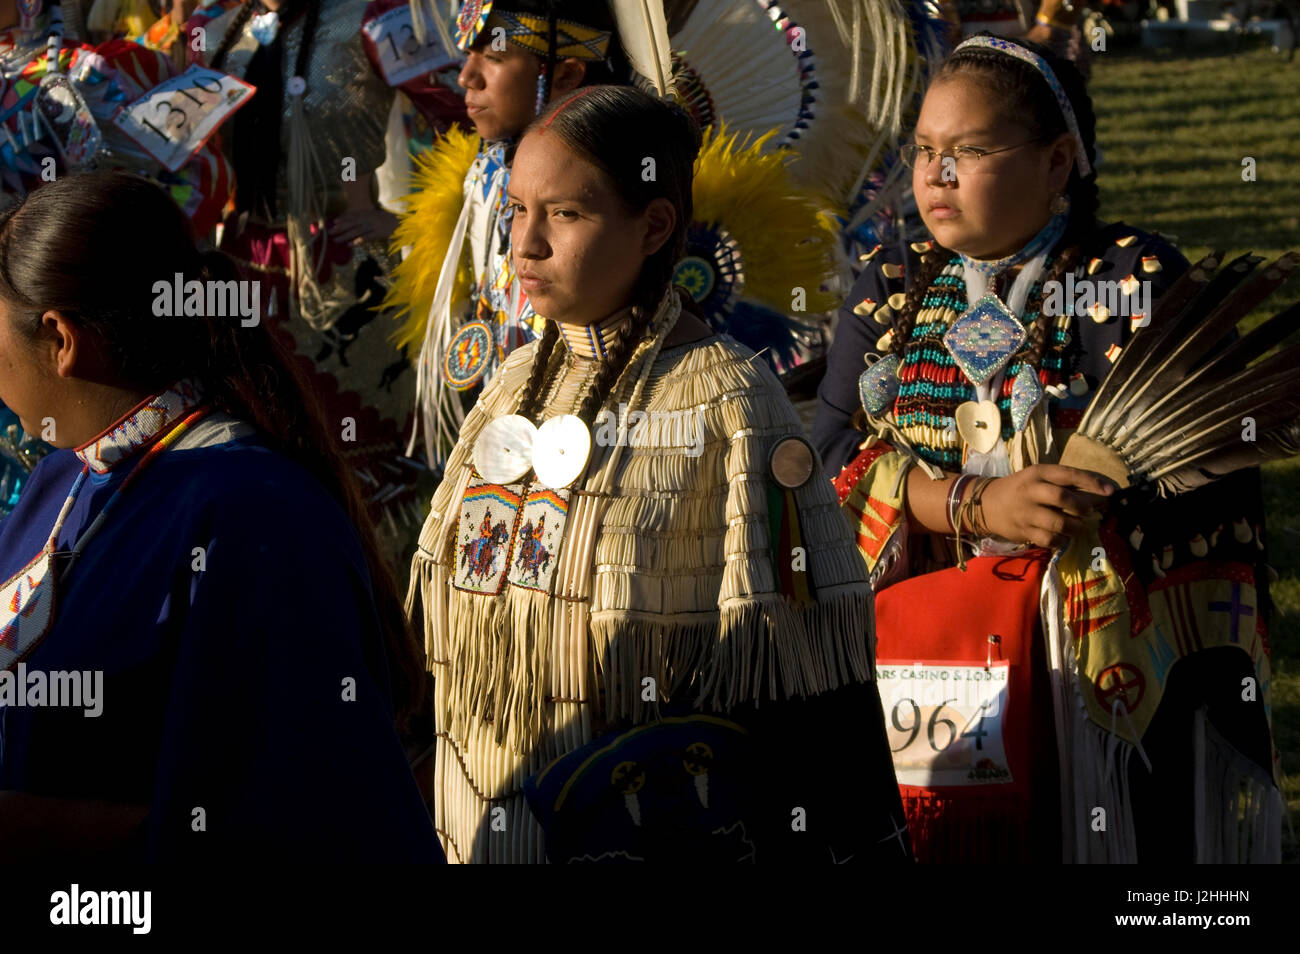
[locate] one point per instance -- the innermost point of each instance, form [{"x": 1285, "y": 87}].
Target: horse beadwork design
[
  {"x": 487, "y": 521},
  {"x": 534, "y": 558},
  {"x": 482, "y": 554},
  {"x": 507, "y": 534}
]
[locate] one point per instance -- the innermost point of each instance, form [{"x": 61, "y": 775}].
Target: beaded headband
[
  {"x": 1040, "y": 64},
  {"x": 572, "y": 39}
]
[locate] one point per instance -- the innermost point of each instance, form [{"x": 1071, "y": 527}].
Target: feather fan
[
  {"x": 1180, "y": 408},
  {"x": 834, "y": 77},
  {"x": 1200, "y": 329}
]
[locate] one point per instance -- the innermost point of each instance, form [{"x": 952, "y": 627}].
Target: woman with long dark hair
[
  {"x": 647, "y": 621},
  {"x": 195, "y": 557}
]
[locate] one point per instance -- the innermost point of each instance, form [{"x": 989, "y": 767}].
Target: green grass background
[{"x": 1174, "y": 128}]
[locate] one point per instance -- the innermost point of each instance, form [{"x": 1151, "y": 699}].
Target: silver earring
[{"x": 1060, "y": 204}]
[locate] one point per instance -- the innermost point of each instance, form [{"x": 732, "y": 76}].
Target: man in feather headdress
[
  {"x": 518, "y": 55},
  {"x": 761, "y": 225}
]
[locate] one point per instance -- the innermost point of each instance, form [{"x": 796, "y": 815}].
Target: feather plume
[
  {"x": 643, "y": 31},
  {"x": 1219, "y": 381},
  {"x": 1235, "y": 357},
  {"x": 308, "y": 242},
  {"x": 434, "y": 218},
  {"x": 783, "y": 241},
  {"x": 1213, "y": 463},
  {"x": 1177, "y": 406},
  {"x": 437, "y": 192}
]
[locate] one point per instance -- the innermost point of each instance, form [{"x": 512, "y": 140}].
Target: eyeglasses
[{"x": 965, "y": 158}]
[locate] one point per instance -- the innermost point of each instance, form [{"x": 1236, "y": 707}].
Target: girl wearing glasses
[{"x": 1025, "y": 702}]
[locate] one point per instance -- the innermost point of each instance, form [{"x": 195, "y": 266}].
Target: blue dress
[{"x": 225, "y": 672}]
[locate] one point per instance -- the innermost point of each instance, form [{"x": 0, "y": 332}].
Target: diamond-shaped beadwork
[
  {"x": 983, "y": 339},
  {"x": 878, "y": 385},
  {"x": 1026, "y": 392}
]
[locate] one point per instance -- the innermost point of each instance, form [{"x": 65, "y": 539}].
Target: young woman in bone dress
[{"x": 587, "y": 590}]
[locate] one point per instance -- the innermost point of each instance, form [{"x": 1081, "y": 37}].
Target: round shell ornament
[
  {"x": 560, "y": 450},
  {"x": 503, "y": 452},
  {"x": 791, "y": 463}
]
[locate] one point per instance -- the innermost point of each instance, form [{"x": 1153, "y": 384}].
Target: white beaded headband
[{"x": 1040, "y": 64}]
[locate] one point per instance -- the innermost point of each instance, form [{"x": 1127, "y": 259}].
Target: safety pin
[{"x": 994, "y": 640}]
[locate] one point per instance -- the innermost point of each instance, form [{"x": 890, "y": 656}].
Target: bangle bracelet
[
  {"x": 954, "y": 498},
  {"x": 961, "y": 519},
  {"x": 979, "y": 526}
]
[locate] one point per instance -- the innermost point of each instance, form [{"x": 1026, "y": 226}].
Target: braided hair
[
  {"x": 1023, "y": 95},
  {"x": 235, "y": 31},
  {"x": 615, "y": 128}
]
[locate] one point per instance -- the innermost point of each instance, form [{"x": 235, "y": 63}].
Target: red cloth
[
  {"x": 848, "y": 477},
  {"x": 946, "y": 618}
]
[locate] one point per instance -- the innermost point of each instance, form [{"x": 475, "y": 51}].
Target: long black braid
[
  {"x": 932, "y": 263},
  {"x": 236, "y": 30}
]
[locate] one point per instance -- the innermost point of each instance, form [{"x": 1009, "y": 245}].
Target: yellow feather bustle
[
  {"x": 785, "y": 241},
  {"x": 434, "y": 205}
]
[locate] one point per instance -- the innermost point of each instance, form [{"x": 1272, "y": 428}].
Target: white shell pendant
[
  {"x": 560, "y": 451},
  {"x": 980, "y": 425},
  {"x": 503, "y": 452}
]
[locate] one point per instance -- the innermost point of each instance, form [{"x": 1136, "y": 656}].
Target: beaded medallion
[{"x": 983, "y": 340}]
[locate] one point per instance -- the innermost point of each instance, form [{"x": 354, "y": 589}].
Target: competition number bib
[
  {"x": 401, "y": 55},
  {"x": 944, "y": 721},
  {"x": 173, "y": 120}
]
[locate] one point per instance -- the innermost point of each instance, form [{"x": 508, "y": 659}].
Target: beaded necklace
[{"x": 932, "y": 386}]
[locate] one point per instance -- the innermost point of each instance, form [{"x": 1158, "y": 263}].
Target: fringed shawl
[{"x": 681, "y": 588}]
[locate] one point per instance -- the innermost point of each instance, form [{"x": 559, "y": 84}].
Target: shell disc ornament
[
  {"x": 561, "y": 450},
  {"x": 503, "y": 452},
  {"x": 791, "y": 463},
  {"x": 467, "y": 357}
]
